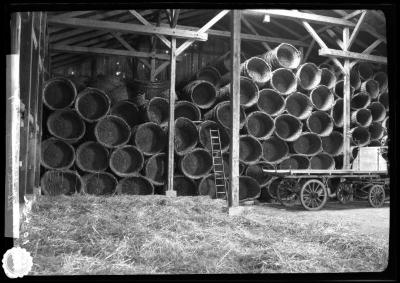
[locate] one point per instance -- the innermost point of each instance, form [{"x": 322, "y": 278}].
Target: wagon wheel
[
  {"x": 288, "y": 192},
  {"x": 376, "y": 196},
  {"x": 344, "y": 193},
  {"x": 313, "y": 195}
]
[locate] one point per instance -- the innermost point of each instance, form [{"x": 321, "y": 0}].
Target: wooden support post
[
  {"x": 171, "y": 123},
  {"x": 11, "y": 200},
  {"x": 233, "y": 197},
  {"x": 346, "y": 104}
]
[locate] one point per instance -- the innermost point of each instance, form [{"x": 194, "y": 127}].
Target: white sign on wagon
[{"x": 370, "y": 159}]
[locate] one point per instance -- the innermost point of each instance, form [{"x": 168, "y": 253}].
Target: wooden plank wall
[{"x": 196, "y": 57}]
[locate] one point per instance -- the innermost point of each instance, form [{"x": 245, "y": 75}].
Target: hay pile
[{"x": 159, "y": 235}]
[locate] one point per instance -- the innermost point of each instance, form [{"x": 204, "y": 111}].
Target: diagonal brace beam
[{"x": 207, "y": 26}]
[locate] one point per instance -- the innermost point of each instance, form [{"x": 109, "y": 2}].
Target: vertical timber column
[
  {"x": 233, "y": 198},
  {"x": 171, "y": 125},
  {"x": 11, "y": 205},
  {"x": 346, "y": 103}
]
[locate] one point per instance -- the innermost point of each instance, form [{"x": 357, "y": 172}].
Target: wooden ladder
[{"x": 218, "y": 165}]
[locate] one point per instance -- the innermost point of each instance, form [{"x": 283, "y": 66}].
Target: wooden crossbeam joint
[{"x": 352, "y": 55}]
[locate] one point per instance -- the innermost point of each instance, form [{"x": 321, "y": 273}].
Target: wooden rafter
[
  {"x": 106, "y": 51},
  {"x": 368, "y": 50},
  {"x": 128, "y": 28},
  {"x": 146, "y": 23},
  {"x": 253, "y": 30},
  {"x": 246, "y": 37},
  {"x": 124, "y": 43},
  {"x": 206, "y": 27},
  {"x": 366, "y": 27},
  {"x": 352, "y": 55},
  {"x": 320, "y": 30},
  {"x": 320, "y": 42},
  {"x": 356, "y": 29},
  {"x": 300, "y": 16}
]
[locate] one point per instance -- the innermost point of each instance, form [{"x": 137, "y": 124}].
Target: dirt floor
[{"x": 358, "y": 216}]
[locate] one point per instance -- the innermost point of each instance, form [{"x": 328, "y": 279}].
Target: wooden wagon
[{"x": 367, "y": 179}]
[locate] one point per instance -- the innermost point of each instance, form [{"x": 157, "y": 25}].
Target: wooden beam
[
  {"x": 352, "y": 55},
  {"x": 171, "y": 121},
  {"x": 253, "y": 30},
  {"x": 346, "y": 106},
  {"x": 300, "y": 16},
  {"x": 175, "y": 19},
  {"x": 127, "y": 28},
  {"x": 146, "y": 23},
  {"x": 366, "y": 27},
  {"x": 129, "y": 47},
  {"x": 233, "y": 196},
  {"x": 320, "y": 42},
  {"x": 105, "y": 51},
  {"x": 308, "y": 51},
  {"x": 206, "y": 27},
  {"x": 247, "y": 37},
  {"x": 161, "y": 68},
  {"x": 333, "y": 35},
  {"x": 347, "y": 17},
  {"x": 368, "y": 50},
  {"x": 356, "y": 29}
]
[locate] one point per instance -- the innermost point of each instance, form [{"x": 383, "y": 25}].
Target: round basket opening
[
  {"x": 57, "y": 154},
  {"x": 127, "y": 111},
  {"x": 307, "y": 144},
  {"x": 126, "y": 161},
  {"x": 322, "y": 161},
  {"x": 360, "y": 100},
  {"x": 248, "y": 92},
  {"x": 295, "y": 162},
  {"x": 337, "y": 113},
  {"x": 158, "y": 111},
  {"x": 92, "y": 157},
  {"x": 271, "y": 102},
  {"x": 204, "y": 95},
  {"x": 322, "y": 98},
  {"x": 223, "y": 112},
  {"x": 258, "y": 70},
  {"x": 299, "y": 105},
  {"x": 328, "y": 78},
  {"x": 288, "y": 56},
  {"x": 149, "y": 138},
  {"x": 320, "y": 123},
  {"x": 288, "y": 127},
  {"x": 188, "y": 110},
  {"x": 256, "y": 172},
  {"x": 156, "y": 169},
  {"x": 274, "y": 150},
  {"x": 186, "y": 136},
  {"x": 250, "y": 150},
  {"x": 59, "y": 93},
  {"x": 260, "y": 125},
  {"x": 196, "y": 164},
  {"x": 204, "y": 135},
  {"x": 284, "y": 81},
  {"x": 92, "y": 104},
  {"x": 309, "y": 76},
  {"x": 363, "y": 117},
  {"x": 66, "y": 125},
  {"x": 112, "y": 131},
  {"x": 333, "y": 144},
  {"x": 360, "y": 136},
  {"x": 378, "y": 111}
]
